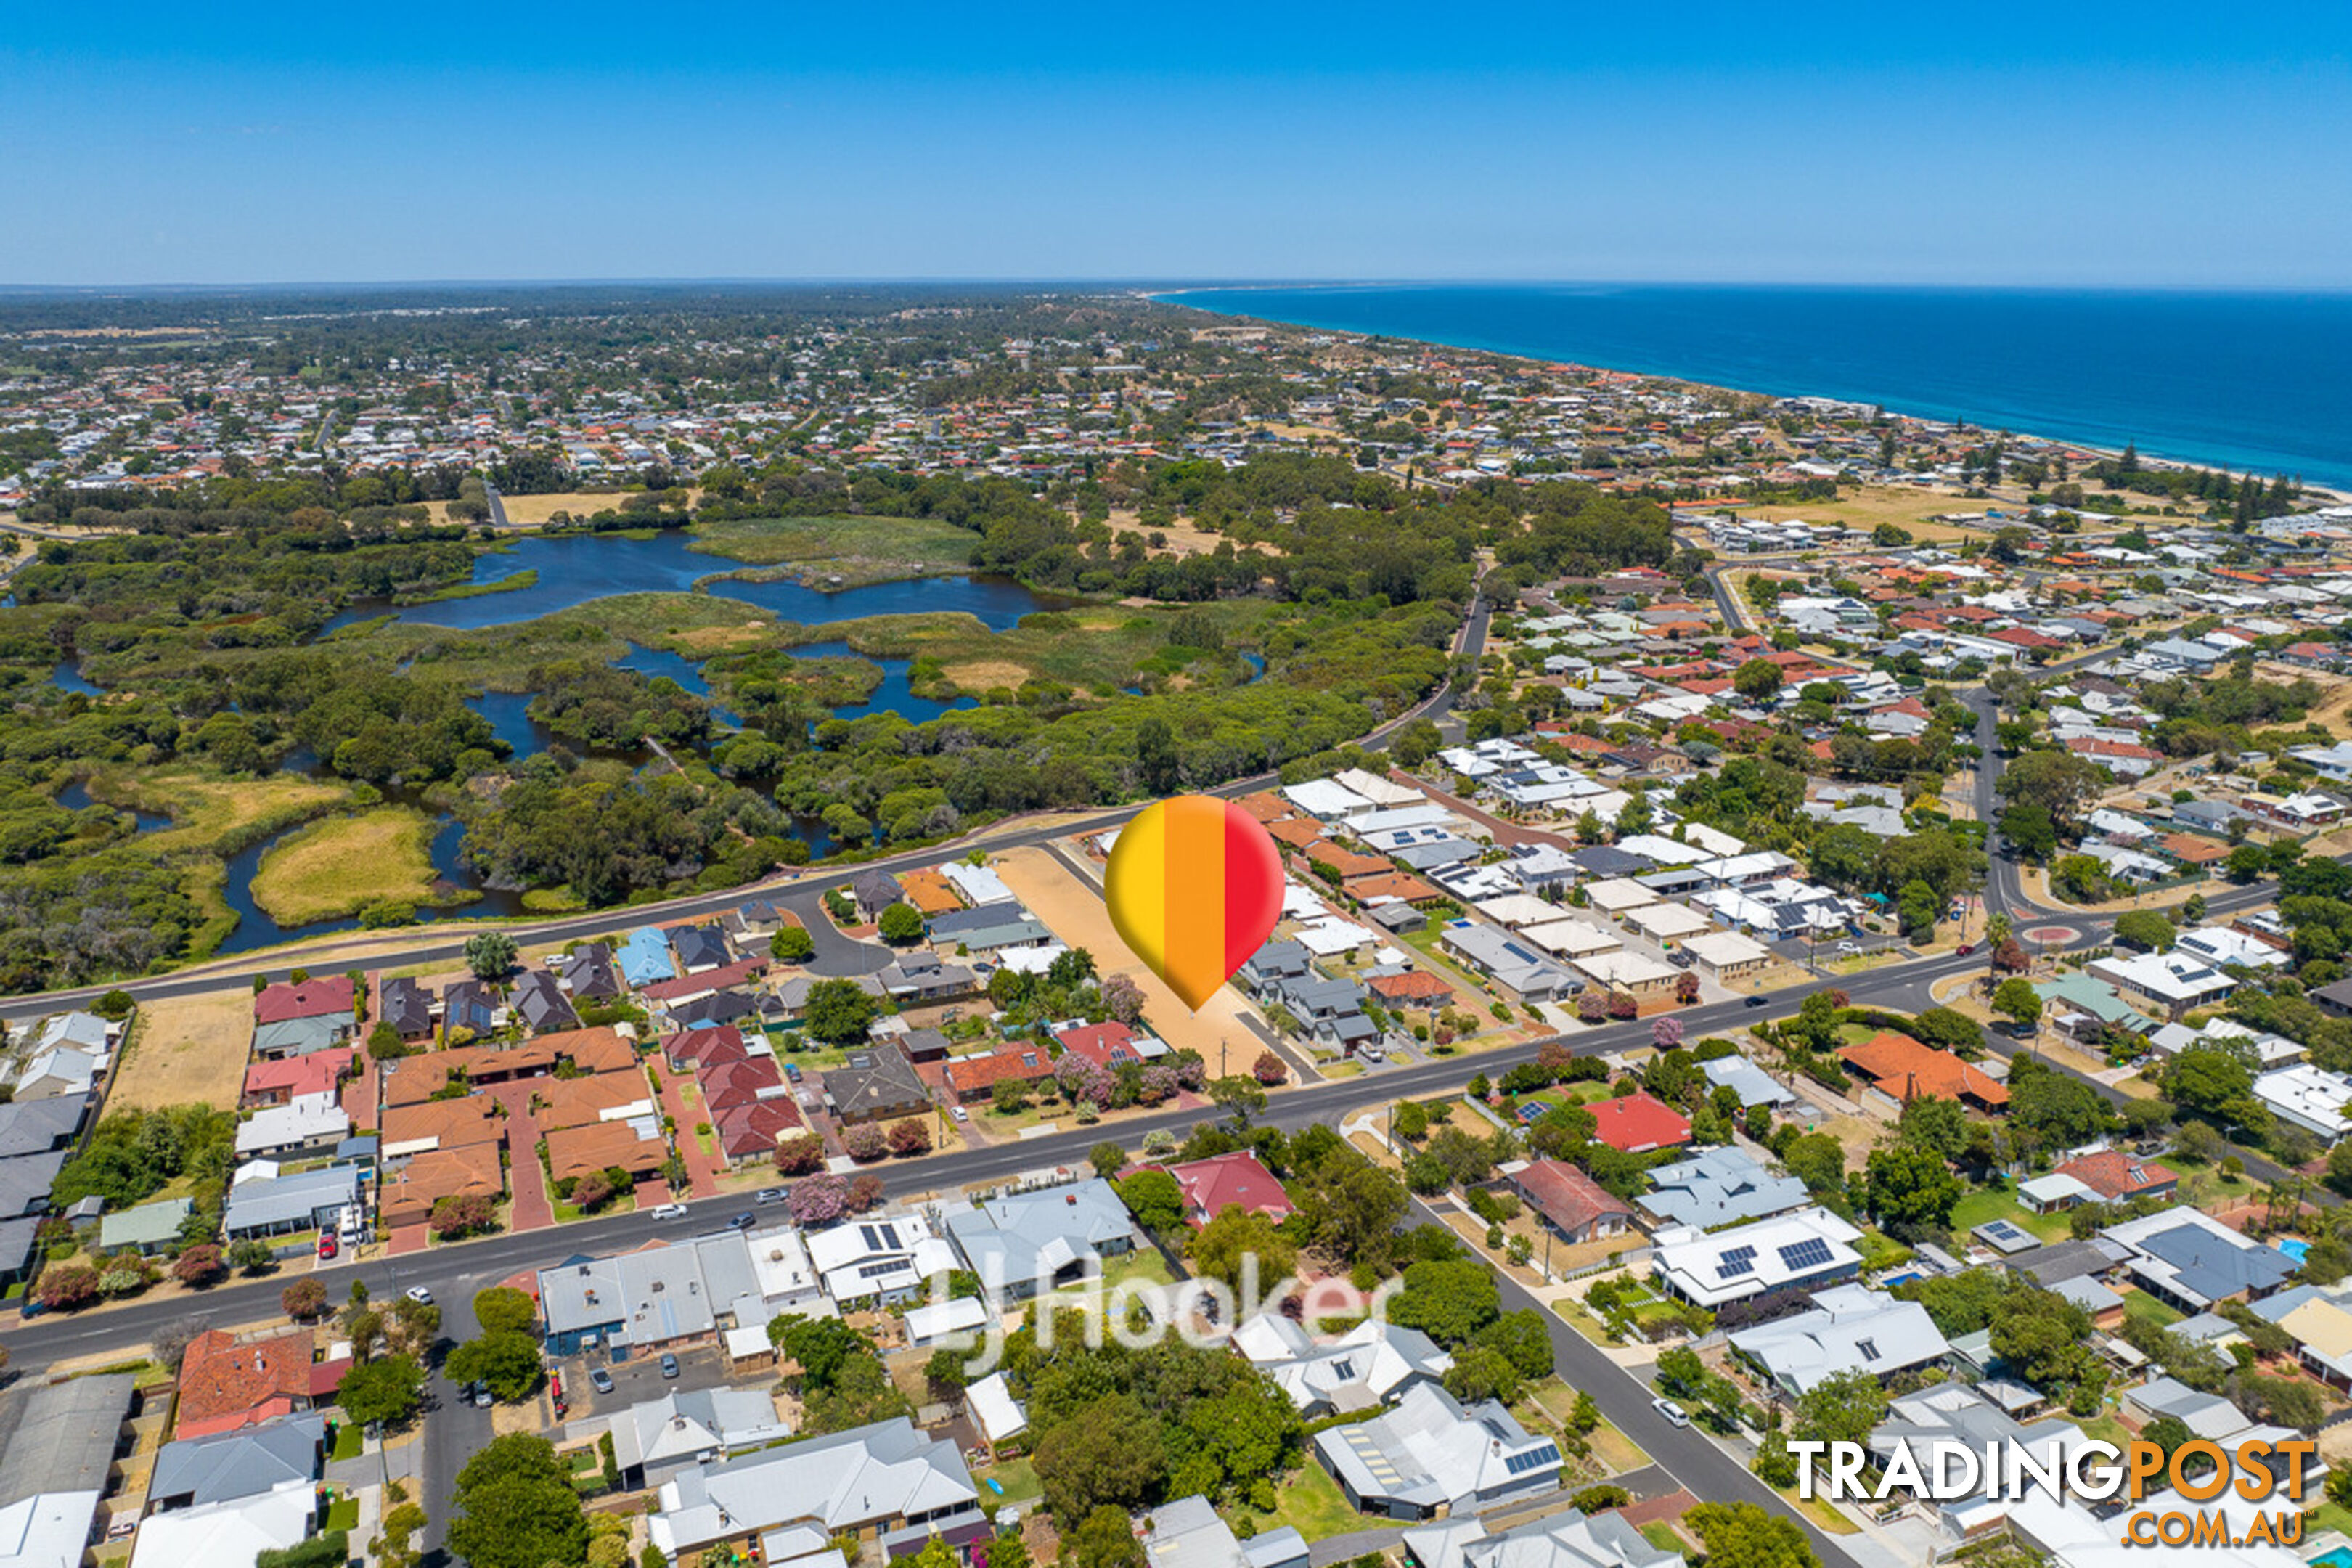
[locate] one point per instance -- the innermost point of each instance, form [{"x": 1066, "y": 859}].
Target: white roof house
[
  {"x": 1518, "y": 909},
  {"x": 1722, "y": 950},
  {"x": 1618, "y": 894},
  {"x": 979, "y": 884},
  {"x": 991, "y": 1403},
  {"x": 1324, "y": 800},
  {"x": 860, "y": 1258},
  {"x": 1624, "y": 969},
  {"x": 2307, "y": 1097},
  {"x": 234, "y": 1531},
  {"x": 868, "y": 1476},
  {"x": 48, "y": 1530},
  {"x": 1851, "y": 1329},
  {"x": 2175, "y": 980},
  {"x": 2270, "y": 1050},
  {"x": 1368, "y": 1365},
  {"x": 1571, "y": 938},
  {"x": 2220, "y": 945},
  {"x": 1380, "y": 792},
  {"x": 1668, "y": 922},
  {"x": 307, "y": 1119},
  {"x": 1810, "y": 1246}
]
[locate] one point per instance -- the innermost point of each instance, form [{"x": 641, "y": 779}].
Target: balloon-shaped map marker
[{"x": 1195, "y": 886}]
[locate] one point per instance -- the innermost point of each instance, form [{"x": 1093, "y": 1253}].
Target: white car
[
  {"x": 960, "y": 1114},
  {"x": 1671, "y": 1411},
  {"x": 419, "y": 1294},
  {"x": 670, "y": 1211},
  {"x": 1849, "y": 947}
]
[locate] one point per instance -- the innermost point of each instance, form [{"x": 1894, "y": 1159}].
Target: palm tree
[{"x": 1996, "y": 932}]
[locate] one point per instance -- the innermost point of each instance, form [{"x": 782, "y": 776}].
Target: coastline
[{"x": 2334, "y": 489}]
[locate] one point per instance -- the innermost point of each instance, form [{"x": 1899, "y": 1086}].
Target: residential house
[
  {"x": 887, "y": 1260},
  {"x": 1570, "y": 1539},
  {"x": 1849, "y": 1329},
  {"x": 874, "y": 891},
  {"x": 471, "y": 1006},
  {"x": 2116, "y": 1177},
  {"x": 405, "y": 1006},
  {"x": 1902, "y": 1070},
  {"x": 304, "y": 1127},
  {"x": 246, "y": 1461},
  {"x": 875, "y": 1084},
  {"x": 1022, "y": 1243},
  {"x": 1805, "y": 1251},
  {"x": 1714, "y": 1188},
  {"x": 889, "y": 1485},
  {"x": 540, "y": 1002},
  {"x": 1637, "y": 1123},
  {"x": 226, "y": 1383},
  {"x": 655, "y": 1438},
  {"x": 2164, "y": 984},
  {"x": 146, "y": 1229},
  {"x": 2307, "y": 1097},
  {"x": 588, "y": 974},
  {"x": 973, "y": 1078},
  {"x": 2188, "y": 1259},
  {"x": 1431, "y": 1456},
  {"x": 636, "y": 1147},
  {"x": 1572, "y": 1205},
  {"x": 1517, "y": 967},
  {"x": 1368, "y": 1366},
  {"x": 1187, "y": 1533},
  {"x": 1235, "y": 1179},
  {"x": 263, "y": 1203}
]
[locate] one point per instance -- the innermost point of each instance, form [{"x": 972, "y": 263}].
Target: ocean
[{"x": 2247, "y": 380}]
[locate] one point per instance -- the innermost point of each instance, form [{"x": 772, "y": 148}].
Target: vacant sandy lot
[
  {"x": 188, "y": 1050},
  {"x": 1075, "y": 913}
]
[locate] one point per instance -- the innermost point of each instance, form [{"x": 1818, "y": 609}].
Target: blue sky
[{"x": 2102, "y": 144}]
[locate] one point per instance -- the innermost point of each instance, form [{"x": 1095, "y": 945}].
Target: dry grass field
[
  {"x": 188, "y": 1049},
  {"x": 342, "y": 865}
]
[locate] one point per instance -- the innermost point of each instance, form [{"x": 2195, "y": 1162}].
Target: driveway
[{"x": 701, "y": 1168}]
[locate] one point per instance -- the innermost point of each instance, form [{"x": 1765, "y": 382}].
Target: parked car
[
  {"x": 792, "y": 1071},
  {"x": 600, "y": 1380},
  {"x": 478, "y": 1394},
  {"x": 419, "y": 1294},
  {"x": 744, "y": 1222},
  {"x": 327, "y": 1247},
  {"x": 1671, "y": 1411},
  {"x": 960, "y": 1114},
  {"x": 1849, "y": 947},
  {"x": 768, "y": 1196},
  {"x": 669, "y": 1364},
  {"x": 1759, "y": 1001},
  {"x": 670, "y": 1211},
  {"x": 1682, "y": 958}
]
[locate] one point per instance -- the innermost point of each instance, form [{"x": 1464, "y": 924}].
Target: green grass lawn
[
  {"x": 2327, "y": 1516},
  {"x": 345, "y": 1514},
  {"x": 2147, "y": 1309},
  {"x": 348, "y": 1439},
  {"x": 1017, "y": 1477},
  {"x": 1662, "y": 1536},
  {"x": 1311, "y": 1503},
  {"x": 1980, "y": 1206},
  {"x": 1880, "y": 1250}
]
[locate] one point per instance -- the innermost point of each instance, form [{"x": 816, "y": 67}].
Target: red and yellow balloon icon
[{"x": 1195, "y": 886}]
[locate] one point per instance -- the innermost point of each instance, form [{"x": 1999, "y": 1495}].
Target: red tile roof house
[
  {"x": 1413, "y": 988},
  {"x": 225, "y": 1385},
  {"x": 312, "y": 999},
  {"x": 2119, "y": 1178},
  {"x": 1637, "y": 1124},
  {"x": 1109, "y": 1045},
  {"x": 1577, "y": 1208},
  {"x": 752, "y": 1129},
  {"x": 276, "y": 1081},
  {"x": 688, "y": 1049},
  {"x": 1228, "y": 1180},
  {"x": 975, "y": 1078}
]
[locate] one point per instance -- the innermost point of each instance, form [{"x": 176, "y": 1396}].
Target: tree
[
  {"x": 1111, "y": 1453},
  {"x": 865, "y": 1142},
  {"x": 1008, "y": 1096},
  {"x": 1948, "y": 1029},
  {"x": 200, "y": 1265},
  {"x": 1742, "y": 1535},
  {"x": 792, "y": 944},
  {"x": 461, "y": 1213},
  {"x": 1157, "y": 758},
  {"x": 1448, "y": 1299},
  {"x": 1911, "y": 1189},
  {"x": 2146, "y": 930},
  {"x": 514, "y": 1507},
  {"x": 818, "y": 1200},
  {"x": 1842, "y": 1408},
  {"x": 1758, "y": 680},
  {"x": 838, "y": 1012},
  {"x": 506, "y": 1361},
  {"x": 944, "y": 1372},
  {"x": 799, "y": 1156},
  {"x": 1268, "y": 1069},
  {"x": 2028, "y": 829},
  {"x": 1238, "y": 1097},
  {"x": 490, "y": 954},
  {"x": 1932, "y": 1122},
  {"x": 1219, "y": 1249},
  {"x": 1103, "y": 1539},
  {"x": 909, "y": 1137},
  {"x": 2017, "y": 1001},
  {"x": 304, "y": 1300},
  {"x": 1818, "y": 1160},
  {"x": 386, "y": 1390},
  {"x": 1156, "y": 1200},
  {"x": 900, "y": 924},
  {"x": 503, "y": 1308},
  {"x": 822, "y": 1346}
]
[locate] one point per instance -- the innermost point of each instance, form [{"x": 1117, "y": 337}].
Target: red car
[
  {"x": 327, "y": 1247},
  {"x": 1966, "y": 948}
]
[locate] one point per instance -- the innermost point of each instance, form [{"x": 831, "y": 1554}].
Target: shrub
[
  {"x": 909, "y": 1137},
  {"x": 801, "y": 1155},
  {"x": 200, "y": 1265},
  {"x": 63, "y": 1288},
  {"x": 864, "y": 1143},
  {"x": 304, "y": 1300}
]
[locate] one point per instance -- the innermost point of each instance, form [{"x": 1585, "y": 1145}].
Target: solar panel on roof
[
  {"x": 1533, "y": 1460},
  {"x": 1737, "y": 1261},
  {"x": 1809, "y": 1252}
]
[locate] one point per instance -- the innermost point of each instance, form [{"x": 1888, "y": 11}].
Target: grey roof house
[
  {"x": 1024, "y": 1243},
  {"x": 888, "y": 1483},
  {"x": 240, "y": 1464},
  {"x": 1430, "y": 1454}
]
